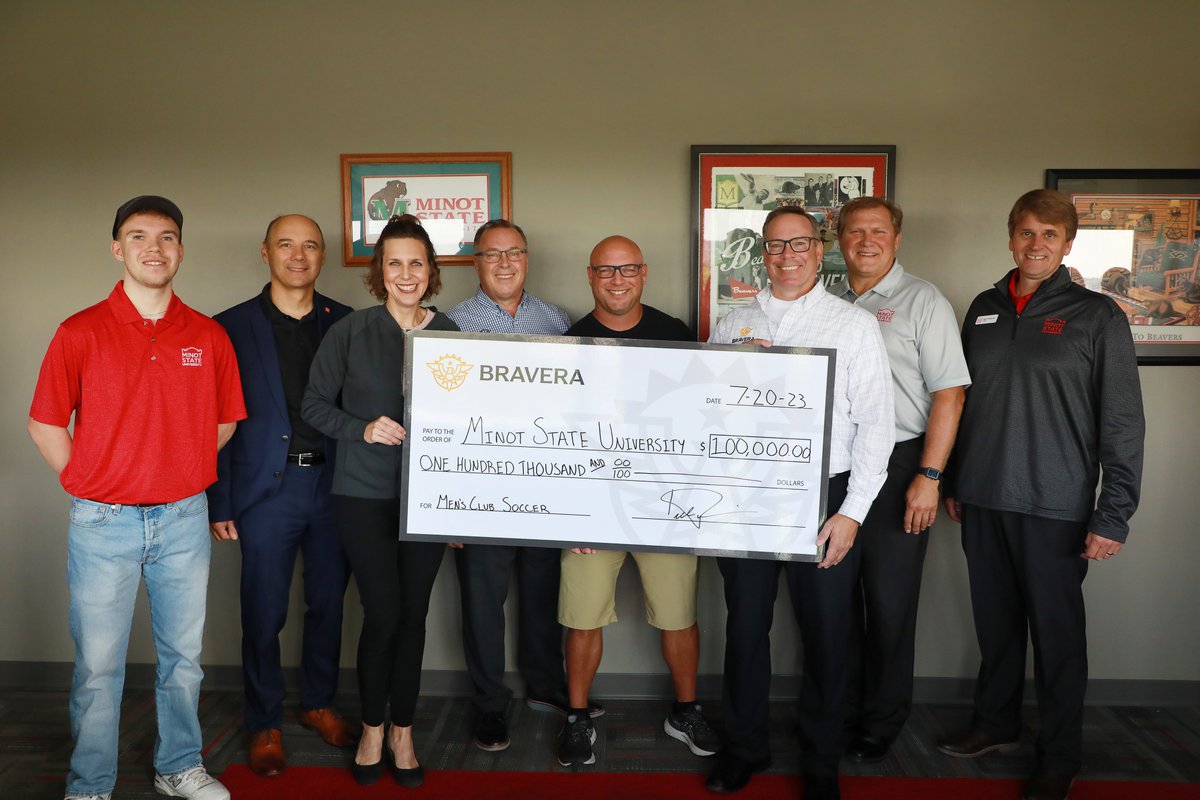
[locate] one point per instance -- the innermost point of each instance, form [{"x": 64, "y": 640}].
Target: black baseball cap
[{"x": 147, "y": 202}]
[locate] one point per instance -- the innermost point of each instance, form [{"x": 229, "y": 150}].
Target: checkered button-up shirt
[
  {"x": 480, "y": 314},
  {"x": 864, "y": 418}
]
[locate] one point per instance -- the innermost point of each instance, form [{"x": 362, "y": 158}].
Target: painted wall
[{"x": 238, "y": 111}]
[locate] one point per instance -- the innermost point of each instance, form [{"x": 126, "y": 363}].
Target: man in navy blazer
[{"x": 273, "y": 494}]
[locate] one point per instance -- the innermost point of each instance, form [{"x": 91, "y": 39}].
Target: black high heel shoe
[
  {"x": 368, "y": 774},
  {"x": 409, "y": 778}
]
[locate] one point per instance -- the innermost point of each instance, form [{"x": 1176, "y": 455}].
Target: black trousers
[
  {"x": 1027, "y": 579},
  {"x": 483, "y": 577},
  {"x": 297, "y": 519},
  {"x": 394, "y": 580},
  {"x": 821, "y": 601},
  {"x": 883, "y": 638}
]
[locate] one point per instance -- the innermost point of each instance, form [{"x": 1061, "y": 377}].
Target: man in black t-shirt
[{"x": 617, "y": 274}]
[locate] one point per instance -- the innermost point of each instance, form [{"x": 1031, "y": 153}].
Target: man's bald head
[
  {"x": 293, "y": 217},
  {"x": 618, "y": 295},
  {"x": 612, "y": 246}
]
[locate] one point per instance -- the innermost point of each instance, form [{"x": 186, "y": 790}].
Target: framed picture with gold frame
[
  {"x": 1139, "y": 244},
  {"x": 452, "y": 194}
]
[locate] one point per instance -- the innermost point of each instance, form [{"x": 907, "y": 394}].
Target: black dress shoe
[
  {"x": 731, "y": 774},
  {"x": 491, "y": 731},
  {"x": 821, "y": 787},
  {"x": 409, "y": 778},
  {"x": 975, "y": 743},
  {"x": 869, "y": 748},
  {"x": 1047, "y": 786}
]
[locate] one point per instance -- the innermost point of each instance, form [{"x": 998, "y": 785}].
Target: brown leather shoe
[
  {"x": 975, "y": 743},
  {"x": 266, "y": 753},
  {"x": 332, "y": 726},
  {"x": 1047, "y": 786}
]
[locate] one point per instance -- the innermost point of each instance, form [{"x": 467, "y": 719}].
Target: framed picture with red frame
[{"x": 734, "y": 187}]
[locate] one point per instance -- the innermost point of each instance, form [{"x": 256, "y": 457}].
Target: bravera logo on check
[
  {"x": 519, "y": 373},
  {"x": 1053, "y": 325},
  {"x": 449, "y": 371},
  {"x": 191, "y": 357}
]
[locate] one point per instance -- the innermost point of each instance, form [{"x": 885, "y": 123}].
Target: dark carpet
[{"x": 1140, "y": 749}]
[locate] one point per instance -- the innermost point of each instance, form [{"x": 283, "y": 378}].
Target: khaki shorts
[{"x": 587, "y": 592}]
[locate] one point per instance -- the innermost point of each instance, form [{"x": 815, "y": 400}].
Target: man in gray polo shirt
[{"x": 930, "y": 376}]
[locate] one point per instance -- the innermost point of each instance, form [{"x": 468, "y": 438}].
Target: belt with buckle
[{"x": 306, "y": 459}]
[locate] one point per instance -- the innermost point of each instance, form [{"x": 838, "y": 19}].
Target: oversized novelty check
[{"x": 616, "y": 444}]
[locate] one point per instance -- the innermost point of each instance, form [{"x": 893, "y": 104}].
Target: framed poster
[
  {"x": 734, "y": 187},
  {"x": 452, "y": 193},
  {"x": 1139, "y": 244}
]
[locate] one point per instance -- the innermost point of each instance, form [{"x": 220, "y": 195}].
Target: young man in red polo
[{"x": 153, "y": 387}]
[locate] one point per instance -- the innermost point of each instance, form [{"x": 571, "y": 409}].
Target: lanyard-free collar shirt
[
  {"x": 922, "y": 340},
  {"x": 481, "y": 314},
  {"x": 147, "y": 398},
  {"x": 863, "y": 412}
]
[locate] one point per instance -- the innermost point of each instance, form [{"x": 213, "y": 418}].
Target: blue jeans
[{"x": 110, "y": 548}]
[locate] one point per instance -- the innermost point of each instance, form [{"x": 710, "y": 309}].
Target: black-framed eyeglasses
[
  {"x": 800, "y": 244},
  {"x": 608, "y": 270},
  {"x": 512, "y": 254}
]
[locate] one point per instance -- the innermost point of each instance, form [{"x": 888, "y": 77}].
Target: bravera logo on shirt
[
  {"x": 744, "y": 335},
  {"x": 192, "y": 357},
  {"x": 885, "y": 314},
  {"x": 1053, "y": 325}
]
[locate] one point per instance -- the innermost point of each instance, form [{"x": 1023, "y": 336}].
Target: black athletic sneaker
[
  {"x": 491, "y": 731},
  {"x": 577, "y": 740},
  {"x": 691, "y": 728}
]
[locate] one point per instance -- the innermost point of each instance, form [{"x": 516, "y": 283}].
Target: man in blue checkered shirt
[{"x": 503, "y": 306}]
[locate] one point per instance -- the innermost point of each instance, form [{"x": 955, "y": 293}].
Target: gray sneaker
[
  {"x": 195, "y": 783},
  {"x": 105, "y": 796},
  {"x": 691, "y": 728}
]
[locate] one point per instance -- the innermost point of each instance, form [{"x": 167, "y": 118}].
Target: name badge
[{"x": 986, "y": 319}]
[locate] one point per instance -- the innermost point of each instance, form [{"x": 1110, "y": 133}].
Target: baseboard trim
[{"x": 454, "y": 683}]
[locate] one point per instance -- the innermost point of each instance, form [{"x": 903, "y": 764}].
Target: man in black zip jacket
[{"x": 1054, "y": 398}]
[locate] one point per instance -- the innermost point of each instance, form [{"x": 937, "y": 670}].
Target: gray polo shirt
[{"x": 923, "y": 345}]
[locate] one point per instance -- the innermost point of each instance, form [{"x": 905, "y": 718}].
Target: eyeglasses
[
  {"x": 800, "y": 244},
  {"x": 512, "y": 254},
  {"x": 606, "y": 271}
]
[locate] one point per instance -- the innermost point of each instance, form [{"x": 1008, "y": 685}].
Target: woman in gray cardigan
[{"x": 356, "y": 395}]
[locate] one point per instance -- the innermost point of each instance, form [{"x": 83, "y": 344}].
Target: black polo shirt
[{"x": 296, "y": 342}]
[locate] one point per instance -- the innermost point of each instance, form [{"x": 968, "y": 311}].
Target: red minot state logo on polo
[
  {"x": 885, "y": 314},
  {"x": 1053, "y": 325},
  {"x": 191, "y": 357}
]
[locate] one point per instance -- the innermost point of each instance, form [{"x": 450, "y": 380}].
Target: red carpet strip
[{"x": 328, "y": 783}]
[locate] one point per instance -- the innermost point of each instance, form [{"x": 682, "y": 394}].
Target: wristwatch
[{"x": 931, "y": 473}]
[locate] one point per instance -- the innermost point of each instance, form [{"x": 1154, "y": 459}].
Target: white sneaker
[
  {"x": 195, "y": 783},
  {"x": 105, "y": 796}
]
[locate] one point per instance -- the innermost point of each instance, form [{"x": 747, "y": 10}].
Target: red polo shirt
[{"x": 146, "y": 397}]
